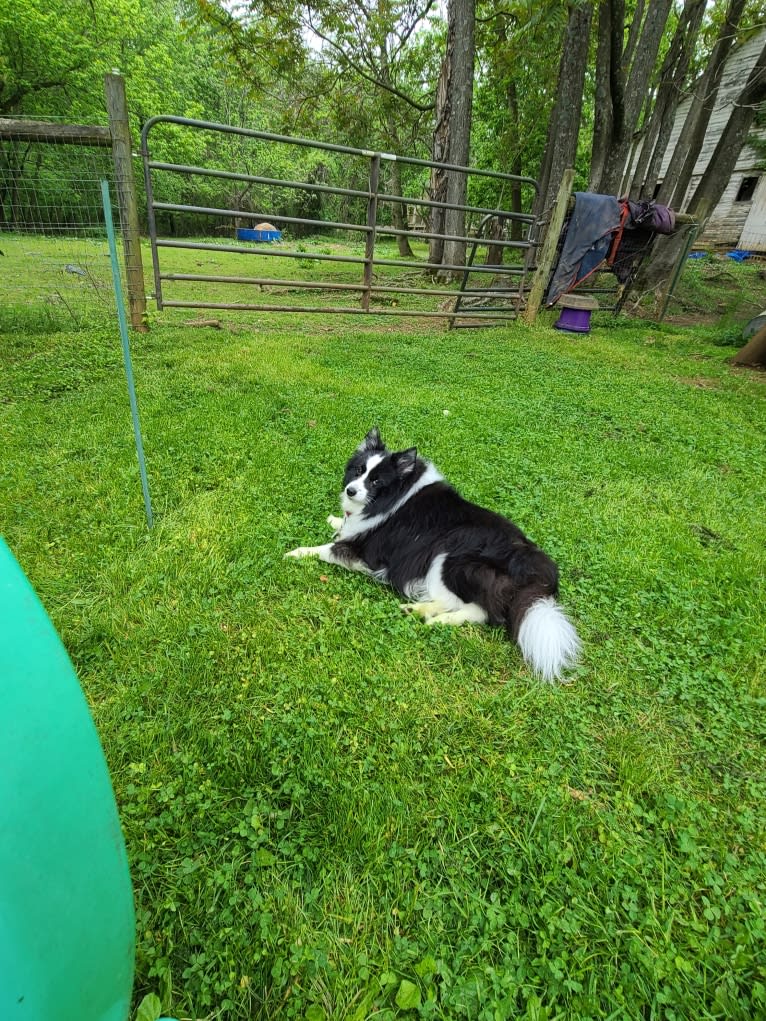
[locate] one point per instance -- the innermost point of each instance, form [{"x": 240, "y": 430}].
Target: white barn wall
[
  {"x": 753, "y": 236},
  {"x": 728, "y": 218}
]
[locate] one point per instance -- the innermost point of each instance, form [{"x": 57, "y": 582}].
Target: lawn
[{"x": 335, "y": 812}]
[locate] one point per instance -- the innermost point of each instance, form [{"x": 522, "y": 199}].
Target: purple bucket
[{"x": 574, "y": 320}]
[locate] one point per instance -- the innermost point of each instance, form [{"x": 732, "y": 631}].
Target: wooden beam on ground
[{"x": 548, "y": 252}]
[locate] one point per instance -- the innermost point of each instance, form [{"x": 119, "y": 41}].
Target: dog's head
[{"x": 376, "y": 477}]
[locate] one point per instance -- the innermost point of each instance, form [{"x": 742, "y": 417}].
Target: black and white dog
[{"x": 456, "y": 562}]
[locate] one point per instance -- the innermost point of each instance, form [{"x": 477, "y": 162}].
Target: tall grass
[{"x": 333, "y": 812}]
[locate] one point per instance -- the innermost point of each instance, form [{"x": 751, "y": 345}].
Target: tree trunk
[
  {"x": 495, "y": 253},
  {"x": 602, "y": 114},
  {"x": 564, "y": 123},
  {"x": 634, "y": 32},
  {"x": 754, "y": 352},
  {"x": 675, "y": 183},
  {"x": 629, "y": 86},
  {"x": 399, "y": 211},
  {"x": 672, "y": 76},
  {"x": 437, "y": 190},
  {"x": 462, "y": 14}
]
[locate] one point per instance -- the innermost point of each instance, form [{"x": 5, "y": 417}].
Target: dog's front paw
[
  {"x": 303, "y": 551},
  {"x": 428, "y": 611},
  {"x": 334, "y": 522}
]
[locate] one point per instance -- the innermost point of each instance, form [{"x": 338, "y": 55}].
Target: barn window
[{"x": 746, "y": 189}]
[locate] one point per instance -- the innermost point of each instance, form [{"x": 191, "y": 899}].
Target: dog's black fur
[
  {"x": 489, "y": 559},
  {"x": 408, "y": 527}
]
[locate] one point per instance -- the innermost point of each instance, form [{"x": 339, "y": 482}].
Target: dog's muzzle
[{"x": 353, "y": 499}]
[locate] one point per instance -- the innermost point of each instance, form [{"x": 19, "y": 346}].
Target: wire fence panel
[
  {"x": 60, "y": 267},
  {"x": 54, "y": 262},
  {"x": 351, "y": 231}
]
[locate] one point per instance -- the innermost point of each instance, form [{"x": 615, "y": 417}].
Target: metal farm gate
[{"x": 353, "y": 231}]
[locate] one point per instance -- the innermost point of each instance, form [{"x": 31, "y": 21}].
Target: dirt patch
[
  {"x": 754, "y": 372},
  {"x": 692, "y": 319},
  {"x": 701, "y": 382}
]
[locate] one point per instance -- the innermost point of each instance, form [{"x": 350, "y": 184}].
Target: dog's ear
[
  {"x": 372, "y": 440},
  {"x": 404, "y": 461}
]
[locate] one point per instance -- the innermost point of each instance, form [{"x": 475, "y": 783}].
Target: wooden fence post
[
  {"x": 122, "y": 156},
  {"x": 667, "y": 292},
  {"x": 548, "y": 252}
]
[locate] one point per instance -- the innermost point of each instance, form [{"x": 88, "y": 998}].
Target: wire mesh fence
[{"x": 54, "y": 268}]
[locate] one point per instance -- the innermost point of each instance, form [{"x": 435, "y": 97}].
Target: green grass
[
  {"x": 334, "y": 812},
  {"x": 724, "y": 293},
  {"x": 55, "y": 283},
  {"x": 65, "y": 282}
]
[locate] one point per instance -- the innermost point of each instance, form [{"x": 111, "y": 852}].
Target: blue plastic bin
[{"x": 253, "y": 234}]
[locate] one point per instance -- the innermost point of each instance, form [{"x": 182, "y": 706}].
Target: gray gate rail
[{"x": 484, "y": 292}]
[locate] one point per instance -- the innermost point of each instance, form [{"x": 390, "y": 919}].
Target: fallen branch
[{"x": 214, "y": 323}]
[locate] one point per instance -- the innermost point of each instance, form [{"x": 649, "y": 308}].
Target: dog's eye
[
  {"x": 359, "y": 471},
  {"x": 374, "y": 483}
]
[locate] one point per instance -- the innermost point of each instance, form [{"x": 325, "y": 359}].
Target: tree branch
[{"x": 368, "y": 75}]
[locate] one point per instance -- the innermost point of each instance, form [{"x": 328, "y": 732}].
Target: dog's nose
[{"x": 351, "y": 491}]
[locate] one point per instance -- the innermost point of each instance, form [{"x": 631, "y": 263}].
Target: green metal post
[{"x": 126, "y": 348}]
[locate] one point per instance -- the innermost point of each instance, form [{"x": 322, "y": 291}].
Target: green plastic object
[{"x": 67, "y": 929}]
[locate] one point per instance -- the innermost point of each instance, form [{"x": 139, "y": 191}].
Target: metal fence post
[
  {"x": 124, "y": 337},
  {"x": 372, "y": 219}
]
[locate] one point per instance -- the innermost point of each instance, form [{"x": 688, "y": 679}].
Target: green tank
[{"x": 67, "y": 929}]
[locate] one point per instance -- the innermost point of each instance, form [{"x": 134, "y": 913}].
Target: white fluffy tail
[{"x": 548, "y": 640}]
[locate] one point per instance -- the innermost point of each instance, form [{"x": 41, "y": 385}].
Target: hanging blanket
[
  {"x": 604, "y": 230},
  {"x": 588, "y": 240}
]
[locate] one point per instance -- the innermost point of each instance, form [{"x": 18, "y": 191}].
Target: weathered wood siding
[
  {"x": 728, "y": 219},
  {"x": 753, "y": 237}
]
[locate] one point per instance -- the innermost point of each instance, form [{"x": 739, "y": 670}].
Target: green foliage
[
  {"x": 48, "y": 49},
  {"x": 62, "y": 52},
  {"x": 513, "y": 99},
  {"x": 333, "y": 812},
  {"x": 149, "y": 1009},
  {"x": 55, "y": 55},
  {"x": 263, "y": 41},
  {"x": 366, "y": 78}
]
